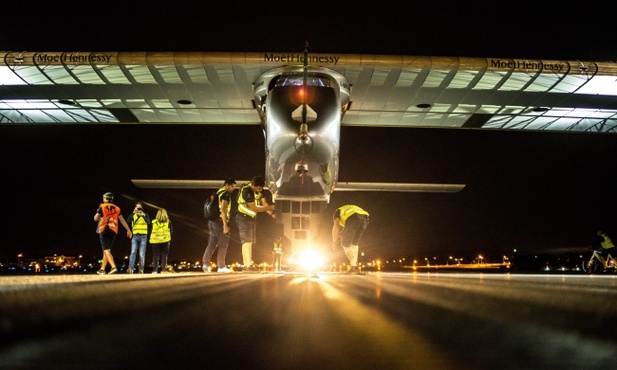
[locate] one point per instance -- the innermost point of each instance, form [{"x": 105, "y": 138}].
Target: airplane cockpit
[{"x": 297, "y": 79}]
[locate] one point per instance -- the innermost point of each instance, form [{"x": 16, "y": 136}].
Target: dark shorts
[
  {"x": 246, "y": 228},
  {"x": 603, "y": 251},
  {"x": 355, "y": 226},
  {"x": 107, "y": 238}
]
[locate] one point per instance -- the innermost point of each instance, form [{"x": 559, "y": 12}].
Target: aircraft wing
[
  {"x": 340, "y": 186},
  {"x": 181, "y": 184},
  {"x": 386, "y": 90},
  {"x": 399, "y": 187}
]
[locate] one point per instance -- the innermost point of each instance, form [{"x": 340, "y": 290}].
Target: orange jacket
[{"x": 111, "y": 212}]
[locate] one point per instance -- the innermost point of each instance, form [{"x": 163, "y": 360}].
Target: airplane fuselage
[{"x": 301, "y": 109}]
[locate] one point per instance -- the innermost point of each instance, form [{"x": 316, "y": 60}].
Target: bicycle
[{"x": 595, "y": 262}]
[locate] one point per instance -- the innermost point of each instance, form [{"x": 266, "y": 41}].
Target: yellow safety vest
[
  {"x": 220, "y": 194},
  {"x": 139, "y": 225},
  {"x": 607, "y": 243},
  {"x": 161, "y": 232},
  {"x": 243, "y": 207},
  {"x": 347, "y": 210}
]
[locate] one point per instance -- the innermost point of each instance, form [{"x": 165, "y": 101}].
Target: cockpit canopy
[{"x": 297, "y": 79}]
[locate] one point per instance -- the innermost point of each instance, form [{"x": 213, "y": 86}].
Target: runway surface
[{"x": 269, "y": 321}]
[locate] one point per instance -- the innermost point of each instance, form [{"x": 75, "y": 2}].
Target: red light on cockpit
[{"x": 302, "y": 94}]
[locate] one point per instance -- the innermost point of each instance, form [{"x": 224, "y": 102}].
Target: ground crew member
[
  {"x": 277, "y": 251},
  {"x": 107, "y": 216},
  {"x": 604, "y": 245},
  {"x": 348, "y": 225},
  {"x": 251, "y": 200}
]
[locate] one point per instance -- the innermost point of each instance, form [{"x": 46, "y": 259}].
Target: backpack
[{"x": 211, "y": 207}]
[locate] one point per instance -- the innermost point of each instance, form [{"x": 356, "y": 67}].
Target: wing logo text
[
  {"x": 72, "y": 58},
  {"x": 525, "y": 64},
  {"x": 299, "y": 58}
]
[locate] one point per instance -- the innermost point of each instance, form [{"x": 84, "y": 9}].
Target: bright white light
[
  {"x": 7, "y": 77},
  {"x": 599, "y": 85},
  {"x": 310, "y": 259}
]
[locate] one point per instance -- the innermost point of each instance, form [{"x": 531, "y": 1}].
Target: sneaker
[
  {"x": 206, "y": 268},
  {"x": 141, "y": 271},
  {"x": 155, "y": 272},
  {"x": 113, "y": 271},
  {"x": 100, "y": 272},
  {"x": 129, "y": 271},
  {"x": 225, "y": 270},
  {"x": 250, "y": 269}
]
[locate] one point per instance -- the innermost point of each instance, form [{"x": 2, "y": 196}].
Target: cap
[{"x": 108, "y": 195}]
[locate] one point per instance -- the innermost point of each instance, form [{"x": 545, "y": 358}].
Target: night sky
[{"x": 534, "y": 191}]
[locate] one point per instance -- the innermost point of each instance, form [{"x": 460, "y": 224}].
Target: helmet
[{"x": 108, "y": 195}]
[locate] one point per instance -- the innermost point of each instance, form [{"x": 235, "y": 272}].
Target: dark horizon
[{"x": 530, "y": 191}]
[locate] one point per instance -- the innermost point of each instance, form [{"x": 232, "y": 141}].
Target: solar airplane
[{"x": 301, "y": 100}]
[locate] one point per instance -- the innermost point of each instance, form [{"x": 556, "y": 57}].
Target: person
[
  {"x": 348, "y": 225},
  {"x": 219, "y": 230},
  {"x": 277, "y": 252},
  {"x": 160, "y": 238},
  {"x": 139, "y": 221},
  {"x": 603, "y": 244},
  {"x": 107, "y": 216},
  {"x": 251, "y": 201}
]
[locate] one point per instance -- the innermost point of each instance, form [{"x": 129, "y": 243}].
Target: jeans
[
  {"x": 138, "y": 240},
  {"x": 216, "y": 239}
]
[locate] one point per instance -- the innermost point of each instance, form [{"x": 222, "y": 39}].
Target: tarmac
[{"x": 435, "y": 320}]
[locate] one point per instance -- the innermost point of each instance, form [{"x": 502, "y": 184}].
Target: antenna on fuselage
[
  {"x": 303, "y": 143},
  {"x": 304, "y": 81},
  {"x": 303, "y": 113}
]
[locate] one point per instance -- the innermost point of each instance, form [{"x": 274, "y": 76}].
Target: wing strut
[{"x": 340, "y": 186}]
